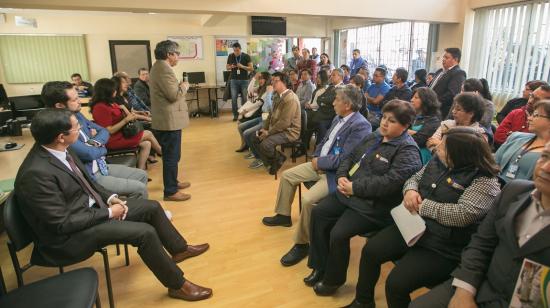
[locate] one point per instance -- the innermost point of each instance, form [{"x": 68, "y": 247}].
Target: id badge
[
  {"x": 353, "y": 169},
  {"x": 512, "y": 170},
  {"x": 238, "y": 71}
]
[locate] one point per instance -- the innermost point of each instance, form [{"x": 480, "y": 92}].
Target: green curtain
[{"x": 41, "y": 58}]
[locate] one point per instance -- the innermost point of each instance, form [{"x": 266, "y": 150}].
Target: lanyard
[
  {"x": 238, "y": 60},
  {"x": 527, "y": 149}
]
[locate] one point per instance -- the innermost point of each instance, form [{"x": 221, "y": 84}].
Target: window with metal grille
[
  {"x": 402, "y": 44},
  {"x": 511, "y": 46}
]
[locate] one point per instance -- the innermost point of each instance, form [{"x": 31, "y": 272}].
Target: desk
[{"x": 212, "y": 107}]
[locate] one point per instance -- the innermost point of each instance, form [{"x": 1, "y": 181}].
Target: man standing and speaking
[{"x": 170, "y": 116}]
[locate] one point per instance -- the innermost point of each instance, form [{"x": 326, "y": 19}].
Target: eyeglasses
[{"x": 538, "y": 115}]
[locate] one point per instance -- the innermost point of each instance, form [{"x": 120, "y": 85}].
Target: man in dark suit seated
[
  {"x": 517, "y": 228},
  {"x": 71, "y": 216},
  {"x": 447, "y": 82}
]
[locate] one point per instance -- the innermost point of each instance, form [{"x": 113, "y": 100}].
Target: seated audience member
[
  {"x": 448, "y": 80},
  {"x": 358, "y": 81},
  {"x": 516, "y": 103},
  {"x": 517, "y": 156},
  {"x": 71, "y": 217},
  {"x": 356, "y": 63},
  {"x": 250, "y": 133},
  {"x": 517, "y": 120},
  {"x": 347, "y": 75},
  {"x": 427, "y": 120},
  {"x": 365, "y": 74},
  {"x": 132, "y": 100},
  {"x": 375, "y": 94},
  {"x": 481, "y": 87},
  {"x": 84, "y": 88},
  {"x": 467, "y": 111},
  {"x": 515, "y": 230},
  {"x": 322, "y": 118},
  {"x": 141, "y": 86},
  {"x": 429, "y": 78},
  {"x": 325, "y": 64},
  {"x": 347, "y": 130},
  {"x": 90, "y": 148},
  {"x": 311, "y": 108},
  {"x": 253, "y": 112},
  {"x": 291, "y": 64},
  {"x": 369, "y": 182},
  {"x": 294, "y": 80},
  {"x": 246, "y": 111},
  {"x": 400, "y": 89},
  {"x": 107, "y": 113},
  {"x": 419, "y": 79},
  {"x": 281, "y": 126},
  {"x": 452, "y": 194},
  {"x": 305, "y": 87},
  {"x": 307, "y": 64}
]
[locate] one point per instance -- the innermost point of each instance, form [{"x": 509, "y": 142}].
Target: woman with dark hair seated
[
  {"x": 419, "y": 79},
  {"x": 427, "y": 120},
  {"x": 369, "y": 182},
  {"x": 518, "y": 155},
  {"x": 467, "y": 110},
  {"x": 452, "y": 194},
  {"x": 481, "y": 87},
  {"x": 358, "y": 81},
  {"x": 107, "y": 113}
]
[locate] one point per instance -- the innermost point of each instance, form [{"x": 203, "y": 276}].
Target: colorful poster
[
  {"x": 223, "y": 47},
  {"x": 532, "y": 287},
  {"x": 267, "y": 53}
]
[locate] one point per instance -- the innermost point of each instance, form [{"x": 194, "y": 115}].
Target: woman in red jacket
[{"x": 107, "y": 113}]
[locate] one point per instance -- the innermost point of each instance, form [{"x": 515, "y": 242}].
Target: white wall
[{"x": 100, "y": 27}]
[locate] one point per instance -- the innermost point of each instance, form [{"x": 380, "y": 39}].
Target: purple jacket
[{"x": 349, "y": 136}]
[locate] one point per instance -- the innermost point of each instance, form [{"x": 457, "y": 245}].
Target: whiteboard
[{"x": 190, "y": 47}]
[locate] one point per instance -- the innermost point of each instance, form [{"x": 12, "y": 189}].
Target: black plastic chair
[
  {"x": 126, "y": 157},
  {"x": 74, "y": 289},
  {"x": 20, "y": 236}
]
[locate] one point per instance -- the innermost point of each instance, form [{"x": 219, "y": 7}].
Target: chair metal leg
[
  {"x": 117, "y": 250},
  {"x": 292, "y": 152},
  {"x": 16, "y": 265},
  {"x": 126, "y": 256},
  {"x": 61, "y": 271},
  {"x": 97, "y": 300},
  {"x": 300, "y": 196},
  {"x": 108, "y": 277}
]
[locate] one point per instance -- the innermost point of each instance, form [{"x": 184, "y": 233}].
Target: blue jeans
[
  {"x": 248, "y": 124},
  {"x": 249, "y": 134},
  {"x": 238, "y": 86},
  {"x": 170, "y": 141}
]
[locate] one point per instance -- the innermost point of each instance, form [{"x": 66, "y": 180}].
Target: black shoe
[
  {"x": 356, "y": 304},
  {"x": 296, "y": 254},
  {"x": 242, "y": 149},
  {"x": 299, "y": 153},
  {"x": 323, "y": 289},
  {"x": 277, "y": 164},
  {"x": 235, "y": 119},
  {"x": 314, "y": 277},
  {"x": 277, "y": 220}
]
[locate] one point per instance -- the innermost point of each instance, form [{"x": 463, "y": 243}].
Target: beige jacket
[
  {"x": 168, "y": 104},
  {"x": 285, "y": 117}
]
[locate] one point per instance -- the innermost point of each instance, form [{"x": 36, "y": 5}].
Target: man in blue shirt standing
[{"x": 357, "y": 63}]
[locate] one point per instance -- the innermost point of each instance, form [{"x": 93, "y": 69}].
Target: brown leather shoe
[
  {"x": 184, "y": 185},
  {"x": 192, "y": 251},
  {"x": 190, "y": 292},
  {"x": 179, "y": 196}
]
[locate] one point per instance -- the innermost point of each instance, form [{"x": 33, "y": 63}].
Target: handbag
[
  {"x": 227, "y": 90},
  {"x": 131, "y": 129}
]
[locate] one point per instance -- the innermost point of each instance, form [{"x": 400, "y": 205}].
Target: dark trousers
[
  {"x": 147, "y": 228},
  {"x": 417, "y": 267},
  {"x": 332, "y": 226},
  {"x": 170, "y": 141},
  {"x": 266, "y": 147}
]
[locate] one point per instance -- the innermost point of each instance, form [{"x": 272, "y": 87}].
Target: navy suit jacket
[
  {"x": 351, "y": 133},
  {"x": 86, "y": 153}
]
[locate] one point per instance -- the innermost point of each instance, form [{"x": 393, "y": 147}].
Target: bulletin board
[{"x": 190, "y": 47}]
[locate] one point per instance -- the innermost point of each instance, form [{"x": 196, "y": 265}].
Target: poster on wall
[
  {"x": 267, "y": 53},
  {"x": 223, "y": 47},
  {"x": 190, "y": 47}
]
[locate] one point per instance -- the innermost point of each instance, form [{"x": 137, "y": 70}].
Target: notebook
[{"x": 411, "y": 226}]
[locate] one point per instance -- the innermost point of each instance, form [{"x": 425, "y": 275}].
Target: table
[{"x": 212, "y": 107}]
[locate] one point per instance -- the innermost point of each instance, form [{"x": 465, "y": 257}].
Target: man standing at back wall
[{"x": 170, "y": 116}]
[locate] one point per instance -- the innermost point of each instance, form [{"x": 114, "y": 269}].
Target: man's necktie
[{"x": 85, "y": 184}]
